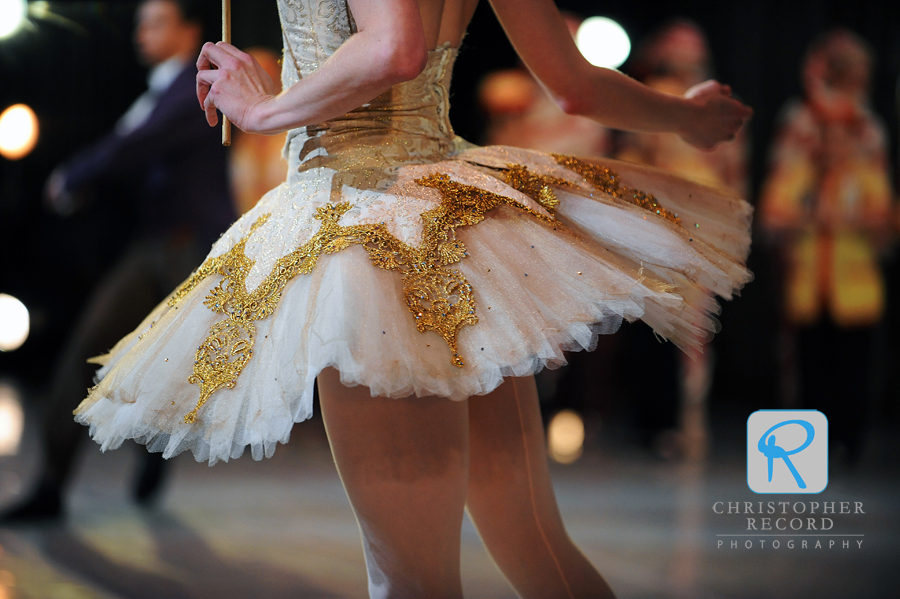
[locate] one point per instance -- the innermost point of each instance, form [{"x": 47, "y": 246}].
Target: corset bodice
[{"x": 407, "y": 124}]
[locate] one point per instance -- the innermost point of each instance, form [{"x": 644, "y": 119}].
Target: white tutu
[{"x": 418, "y": 266}]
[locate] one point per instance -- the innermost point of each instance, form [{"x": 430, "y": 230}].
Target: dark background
[{"x": 79, "y": 73}]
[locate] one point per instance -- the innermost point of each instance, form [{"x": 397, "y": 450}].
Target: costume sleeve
[
  {"x": 792, "y": 175},
  {"x": 876, "y": 181}
]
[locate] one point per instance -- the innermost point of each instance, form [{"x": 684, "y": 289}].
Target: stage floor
[{"x": 283, "y": 528}]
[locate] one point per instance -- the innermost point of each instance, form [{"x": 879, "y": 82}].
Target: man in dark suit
[{"x": 174, "y": 167}]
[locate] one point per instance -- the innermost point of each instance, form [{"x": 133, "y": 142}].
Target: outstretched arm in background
[{"x": 705, "y": 116}]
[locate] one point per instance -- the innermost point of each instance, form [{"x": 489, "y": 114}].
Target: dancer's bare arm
[
  {"x": 388, "y": 48},
  {"x": 703, "y": 117}
]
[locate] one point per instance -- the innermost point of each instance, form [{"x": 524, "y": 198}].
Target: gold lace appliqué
[
  {"x": 439, "y": 298},
  {"x": 538, "y": 187},
  {"x": 606, "y": 180}
]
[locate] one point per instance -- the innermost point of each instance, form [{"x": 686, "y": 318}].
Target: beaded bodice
[{"x": 407, "y": 124}]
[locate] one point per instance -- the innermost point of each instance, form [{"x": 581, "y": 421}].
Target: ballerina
[{"x": 422, "y": 280}]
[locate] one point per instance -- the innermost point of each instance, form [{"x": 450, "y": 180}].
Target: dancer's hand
[
  {"x": 716, "y": 116},
  {"x": 235, "y": 83}
]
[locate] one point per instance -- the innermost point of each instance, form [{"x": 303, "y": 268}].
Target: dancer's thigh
[
  {"x": 508, "y": 471},
  {"x": 404, "y": 466},
  {"x": 511, "y": 497}
]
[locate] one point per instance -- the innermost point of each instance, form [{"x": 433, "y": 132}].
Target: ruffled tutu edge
[{"x": 539, "y": 291}]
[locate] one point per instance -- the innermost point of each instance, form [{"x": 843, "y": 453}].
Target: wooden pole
[{"x": 226, "y": 37}]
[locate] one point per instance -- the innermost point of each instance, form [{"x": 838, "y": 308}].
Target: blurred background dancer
[
  {"x": 154, "y": 156},
  {"x": 827, "y": 203}
]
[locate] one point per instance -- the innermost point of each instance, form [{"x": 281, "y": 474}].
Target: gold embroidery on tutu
[
  {"x": 606, "y": 180},
  {"x": 537, "y": 187},
  {"x": 440, "y": 298}
]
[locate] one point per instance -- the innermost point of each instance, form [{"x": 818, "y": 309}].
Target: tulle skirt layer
[{"x": 540, "y": 283}]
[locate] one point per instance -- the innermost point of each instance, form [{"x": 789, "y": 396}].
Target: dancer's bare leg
[
  {"x": 404, "y": 466},
  {"x": 511, "y": 498}
]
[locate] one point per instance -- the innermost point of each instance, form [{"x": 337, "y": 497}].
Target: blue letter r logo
[
  {"x": 787, "y": 451},
  {"x": 772, "y": 451}
]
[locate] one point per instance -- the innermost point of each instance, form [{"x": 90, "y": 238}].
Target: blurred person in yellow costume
[
  {"x": 674, "y": 59},
  {"x": 256, "y": 161},
  {"x": 827, "y": 203}
]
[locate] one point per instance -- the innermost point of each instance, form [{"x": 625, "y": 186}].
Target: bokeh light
[
  {"x": 14, "y": 323},
  {"x": 18, "y": 131},
  {"x": 565, "y": 436},
  {"x": 603, "y": 42},
  {"x": 12, "y": 419},
  {"x": 12, "y": 16},
  {"x": 40, "y": 9}
]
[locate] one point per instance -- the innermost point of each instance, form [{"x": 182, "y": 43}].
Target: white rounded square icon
[{"x": 787, "y": 451}]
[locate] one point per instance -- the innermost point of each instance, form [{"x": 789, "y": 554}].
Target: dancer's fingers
[
  {"x": 210, "y": 108},
  {"x": 708, "y": 86},
  {"x": 230, "y": 49},
  {"x": 211, "y": 55},
  {"x": 205, "y": 79},
  {"x": 203, "y": 62}
]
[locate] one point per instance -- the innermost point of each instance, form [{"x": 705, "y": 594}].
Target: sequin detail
[
  {"x": 440, "y": 298},
  {"x": 538, "y": 187},
  {"x": 606, "y": 180}
]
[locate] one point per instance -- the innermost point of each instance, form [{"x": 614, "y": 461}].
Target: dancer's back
[{"x": 445, "y": 21}]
